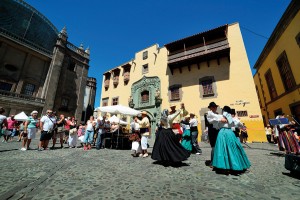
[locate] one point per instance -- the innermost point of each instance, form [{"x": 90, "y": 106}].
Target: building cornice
[{"x": 283, "y": 23}]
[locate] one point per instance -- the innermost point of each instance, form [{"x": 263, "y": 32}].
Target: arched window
[{"x": 145, "y": 96}]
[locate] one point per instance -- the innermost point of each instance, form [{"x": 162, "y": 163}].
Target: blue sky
[{"x": 116, "y": 29}]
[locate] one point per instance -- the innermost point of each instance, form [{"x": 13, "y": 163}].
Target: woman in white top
[
  {"x": 89, "y": 133},
  {"x": 167, "y": 148}
]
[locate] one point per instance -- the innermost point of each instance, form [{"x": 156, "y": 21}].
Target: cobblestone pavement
[{"x": 114, "y": 174}]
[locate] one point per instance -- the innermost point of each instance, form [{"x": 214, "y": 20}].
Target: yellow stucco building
[
  {"x": 208, "y": 66},
  {"x": 277, "y": 78}
]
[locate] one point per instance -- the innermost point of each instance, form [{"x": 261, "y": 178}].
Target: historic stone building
[
  {"x": 208, "y": 66},
  {"x": 39, "y": 68},
  {"x": 277, "y": 78}
]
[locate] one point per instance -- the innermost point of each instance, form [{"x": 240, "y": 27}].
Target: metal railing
[{"x": 21, "y": 96}]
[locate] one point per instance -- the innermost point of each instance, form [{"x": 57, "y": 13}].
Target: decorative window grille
[
  {"x": 175, "y": 94},
  {"x": 115, "y": 101},
  {"x": 243, "y": 113},
  {"x": 28, "y": 89},
  {"x": 207, "y": 88},
  {"x": 270, "y": 83},
  {"x": 286, "y": 72}
]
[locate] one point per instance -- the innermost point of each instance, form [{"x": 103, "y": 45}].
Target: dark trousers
[
  {"x": 212, "y": 135},
  {"x": 196, "y": 148}
]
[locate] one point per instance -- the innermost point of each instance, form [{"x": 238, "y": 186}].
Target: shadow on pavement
[
  {"x": 9, "y": 150},
  {"x": 292, "y": 175},
  {"x": 171, "y": 164}
]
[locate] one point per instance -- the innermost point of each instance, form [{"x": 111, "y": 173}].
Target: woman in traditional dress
[
  {"x": 167, "y": 148},
  {"x": 186, "y": 140},
  {"x": 229, "y": 153}
]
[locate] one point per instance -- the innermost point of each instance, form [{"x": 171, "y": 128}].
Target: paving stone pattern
[{"x": 115, "y": 174}]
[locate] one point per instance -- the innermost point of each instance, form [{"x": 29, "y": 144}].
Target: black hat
[
  {"x": 227, "y": 109},
  {"x": 233, "y": 112},
  {"x": 212, "y": 104}
]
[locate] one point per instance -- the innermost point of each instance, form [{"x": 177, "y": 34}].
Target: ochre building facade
[
  {"x": 277, "y": 78},
  {"x": 208, "y": 66}
]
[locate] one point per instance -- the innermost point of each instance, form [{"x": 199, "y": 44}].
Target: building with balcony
[
  {"x": 39, "y": 68},
  {"x": 208, "y": 66},
  {"x": 277, "y": 78}
]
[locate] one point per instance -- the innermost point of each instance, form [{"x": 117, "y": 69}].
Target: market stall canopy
[
  {"x": 21, "y": 117},
  {"x": 118, "y": 109}
]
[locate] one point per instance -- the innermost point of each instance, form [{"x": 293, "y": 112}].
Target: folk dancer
[
  {"x": 194, "y": 134},
  {"x": 213, "y": 120},
  {"x": 229, "y": 153},
  {"x": 176, "y": 122}
]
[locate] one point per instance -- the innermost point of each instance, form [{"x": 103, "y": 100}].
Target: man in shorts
[
  {"x": 47, "y": 125},
  {"x": 60, "y": 132}
]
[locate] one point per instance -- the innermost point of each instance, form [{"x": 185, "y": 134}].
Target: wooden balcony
[
  {"x": 106, "y": 83},
  {"x": 200, "y": 54},
  {"x": 126, "y": 76},
  {"x": 116, "y": 80}
]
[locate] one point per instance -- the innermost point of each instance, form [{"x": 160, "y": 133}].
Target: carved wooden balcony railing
[
  {"x": 198, "y": 52},
  {"x": 116, "y": 80},
  {"x": 106, "y": 83},
  {"x": 126, "y": 76}
]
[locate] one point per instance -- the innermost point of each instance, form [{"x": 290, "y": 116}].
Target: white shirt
[
  {"x": 194, "y": 122},
  {"x": 48, "y": 122},
  {"x": 170, "y": 119},
  {"x": 135, "y": 126},
  {"x": 214, "y": 119},
  {"x": 89, "y": 126},
  {"x": 2, "y": 118}
]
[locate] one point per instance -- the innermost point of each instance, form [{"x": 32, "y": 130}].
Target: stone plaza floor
[{"x": 115, "y": 174}]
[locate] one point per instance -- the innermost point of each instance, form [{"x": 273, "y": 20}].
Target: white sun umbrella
[
  {"x": 118, "y": 109},
  {"x": 116, "y": 119},
  {"x": 21, "y": 117}
]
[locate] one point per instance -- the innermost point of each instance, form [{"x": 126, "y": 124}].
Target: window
[
  {"x": 270, "y": 83},
  {"x": 115, "y": 101},
  {"x": 145, "y": 55},
  {"x": 285, "y": 72},
  {"x": 145, "y": 96},
  {"x": 5, "y": 86},
  {"x": 258, "y": 96},
  {"x": 243, "y": 113},
  {"x": 145, "y": 69},
  {"x": 207, "y": 88},
  {"x": 105, "y": 102},
  {"x": 64, "y": 103},
  {"x": 298, "y": 39},
  {"x": 175, "y": 94},
  {"x": 71, "y": 65},
  {"x": 28, "y": 89}
]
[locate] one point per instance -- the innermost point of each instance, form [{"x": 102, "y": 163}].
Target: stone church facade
[{"x": 39, "y": 68}]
